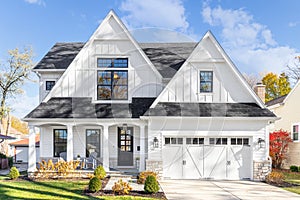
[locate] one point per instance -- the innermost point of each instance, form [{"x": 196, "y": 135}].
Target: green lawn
[
  {"x": 292, "y": 177},
  {"x": 48, "y": 190}
]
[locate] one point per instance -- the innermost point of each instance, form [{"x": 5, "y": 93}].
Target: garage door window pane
[
  {"x": 201, "y": 140},
  {"x": 246, "y": 141},
  {"x": 195, "y": 140},
  {"x": 239, "y": 141},
  {"x": 173, "y": 140},
  {"x": 224, "y": 140},
  {"x": 188, "y": 140},
  {"x": 167, "y": 140},
  {"x": 180, "y": 140},
  {"x": 211, "y": 140},
  {"x": 218, "y": 141},
  {"x": 233, "y": 141}
]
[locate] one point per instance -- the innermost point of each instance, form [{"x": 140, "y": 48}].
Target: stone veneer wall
[
  {"x": 261, "y": 169},
  {"x": 155, "y": 166}
]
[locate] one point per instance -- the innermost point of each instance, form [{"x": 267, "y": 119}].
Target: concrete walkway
[{"x": 217, "y": 190}]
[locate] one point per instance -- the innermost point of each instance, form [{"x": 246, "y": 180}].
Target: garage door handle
[
  {"x": 184, "y": 162},
  {"x": 228, "y": 163}
]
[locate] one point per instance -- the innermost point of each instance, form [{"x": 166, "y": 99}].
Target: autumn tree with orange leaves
[{"x": 279, "y": 141}]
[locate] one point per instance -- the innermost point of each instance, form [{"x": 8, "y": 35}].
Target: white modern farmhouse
[{"x": 181, "y": 109}]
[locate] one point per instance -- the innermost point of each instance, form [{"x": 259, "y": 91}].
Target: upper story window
[
  {"x": 295, "y": 134},
  {"x": 112, "y": 84},
  {"x": 206, "y": 81},
  {"x": 49, "y": 85},
  {"x": 113, "y": 62}
]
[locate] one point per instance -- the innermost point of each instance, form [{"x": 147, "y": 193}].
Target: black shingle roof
[
  {"x": 166, "y": 57},
  {"x": 84, "y": 108},
  {"x": 276, "y": 101},
  {"x": 209, "y": 110},
  {"x": 60, "y": 56}
]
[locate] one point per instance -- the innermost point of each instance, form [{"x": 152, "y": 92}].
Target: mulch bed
[
  {"x": 283, "y": 184},
  {"x": 159, "y": 195}
]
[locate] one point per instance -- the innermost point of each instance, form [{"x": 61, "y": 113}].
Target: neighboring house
[
  {"x": 287, "y": 108},
  {"x": 181, "y": 109},
  {"x": 20, "y": 150}
]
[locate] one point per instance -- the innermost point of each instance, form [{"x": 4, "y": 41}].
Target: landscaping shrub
[
  {"x": 14, "y": 173},
  {"x": 275, "y": 177},
  {"x": 144, "y": 175},
  {"x": 121, "y": 187},
  {"x": 95, "y": 184},
  {"x": 61, "y": 168},
  {"x": 294, "y": 168},
  {"x": 100, "y": 172},
  {"x": 151, "y": 185}
]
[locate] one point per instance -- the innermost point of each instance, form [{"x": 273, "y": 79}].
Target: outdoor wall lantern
[
  {"x": 155, "y": 142},
  {"x": 261, "y": 142}
]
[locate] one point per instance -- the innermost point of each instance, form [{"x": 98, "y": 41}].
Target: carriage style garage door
[{"x": 216, "y": 158}]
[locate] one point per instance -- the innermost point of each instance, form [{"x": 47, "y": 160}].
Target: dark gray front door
[{"x": 125, "y": 146}]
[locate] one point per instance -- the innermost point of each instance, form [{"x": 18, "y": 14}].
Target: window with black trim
[
  {"x": 239, "y": 141},
  {"x": 112, "y": 84},
  {"x": 173, "y": 140},
  {"x": 295, "y": 132},
  {"x": 194, "y": 141},
  {"x": 49, "y": 85},
  {"x": 218, "y": 141},
  {"x": 60, "y": 141},
  {"x": 206, "y": 81}
]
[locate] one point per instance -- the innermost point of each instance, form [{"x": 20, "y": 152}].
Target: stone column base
[
  {"x": 261, "y": 169},
  {"x": 155, "y": 166}
]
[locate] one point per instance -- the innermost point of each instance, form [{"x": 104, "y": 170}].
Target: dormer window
[
  {"x": 112, "y": 83},
  {"x": 49, "y": 85},
  {"x": 206, "y": 81}
]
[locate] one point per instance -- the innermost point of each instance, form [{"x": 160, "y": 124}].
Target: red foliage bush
[{"x": 279, "y": 141}]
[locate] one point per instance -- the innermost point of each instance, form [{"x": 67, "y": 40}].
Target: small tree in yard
[
  {"x": 279, "y": 141},
  {"x": 13, "y": 75}
]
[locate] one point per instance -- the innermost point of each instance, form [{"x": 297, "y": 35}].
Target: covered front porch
[{"x": 116, "y": 144}]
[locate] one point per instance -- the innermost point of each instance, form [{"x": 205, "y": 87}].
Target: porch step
[{"x": 123, "y": 174}]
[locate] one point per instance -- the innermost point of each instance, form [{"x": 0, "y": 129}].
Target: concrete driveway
[{"x": 215, "y": 190}]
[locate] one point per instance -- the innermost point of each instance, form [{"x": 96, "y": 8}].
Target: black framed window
[
  {"x": 49, "y": 85},
  {"x": 112, "y": 62},
  {"x": 92, "y": 141},
  {"x": 60, "y": 141},
  {"x": 295, "y": 132},
  {"x": 112, "y": 85},
  {"x": 206, "y": 81}
]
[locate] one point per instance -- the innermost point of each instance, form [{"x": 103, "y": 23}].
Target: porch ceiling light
[{"x": 261, "y": 142}]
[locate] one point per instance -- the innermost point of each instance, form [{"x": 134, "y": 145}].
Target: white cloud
[
  {"x": 293, "y": 24},
  {"x": 250, "y": 44},
  {"x": 169, "y": 14},
  {"x": 39, "y": 2}
]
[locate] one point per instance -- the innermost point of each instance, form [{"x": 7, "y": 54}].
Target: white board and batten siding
[
  {"x": 227, "y": 86},
  {"x": 109, "y": 41}
]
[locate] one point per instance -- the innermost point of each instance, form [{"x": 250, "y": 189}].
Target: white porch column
[
  {"x": 70, "y": 143},
  {"x": 32, "y": 150},
  {"x": 105, "y": 148},
  {"x": 142, "y": 148}
]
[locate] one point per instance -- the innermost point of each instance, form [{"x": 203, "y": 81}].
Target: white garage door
[{"x": 217, "y": 158}]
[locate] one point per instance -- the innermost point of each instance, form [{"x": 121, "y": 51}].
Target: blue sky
[{"x": 259, "y": 36}]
